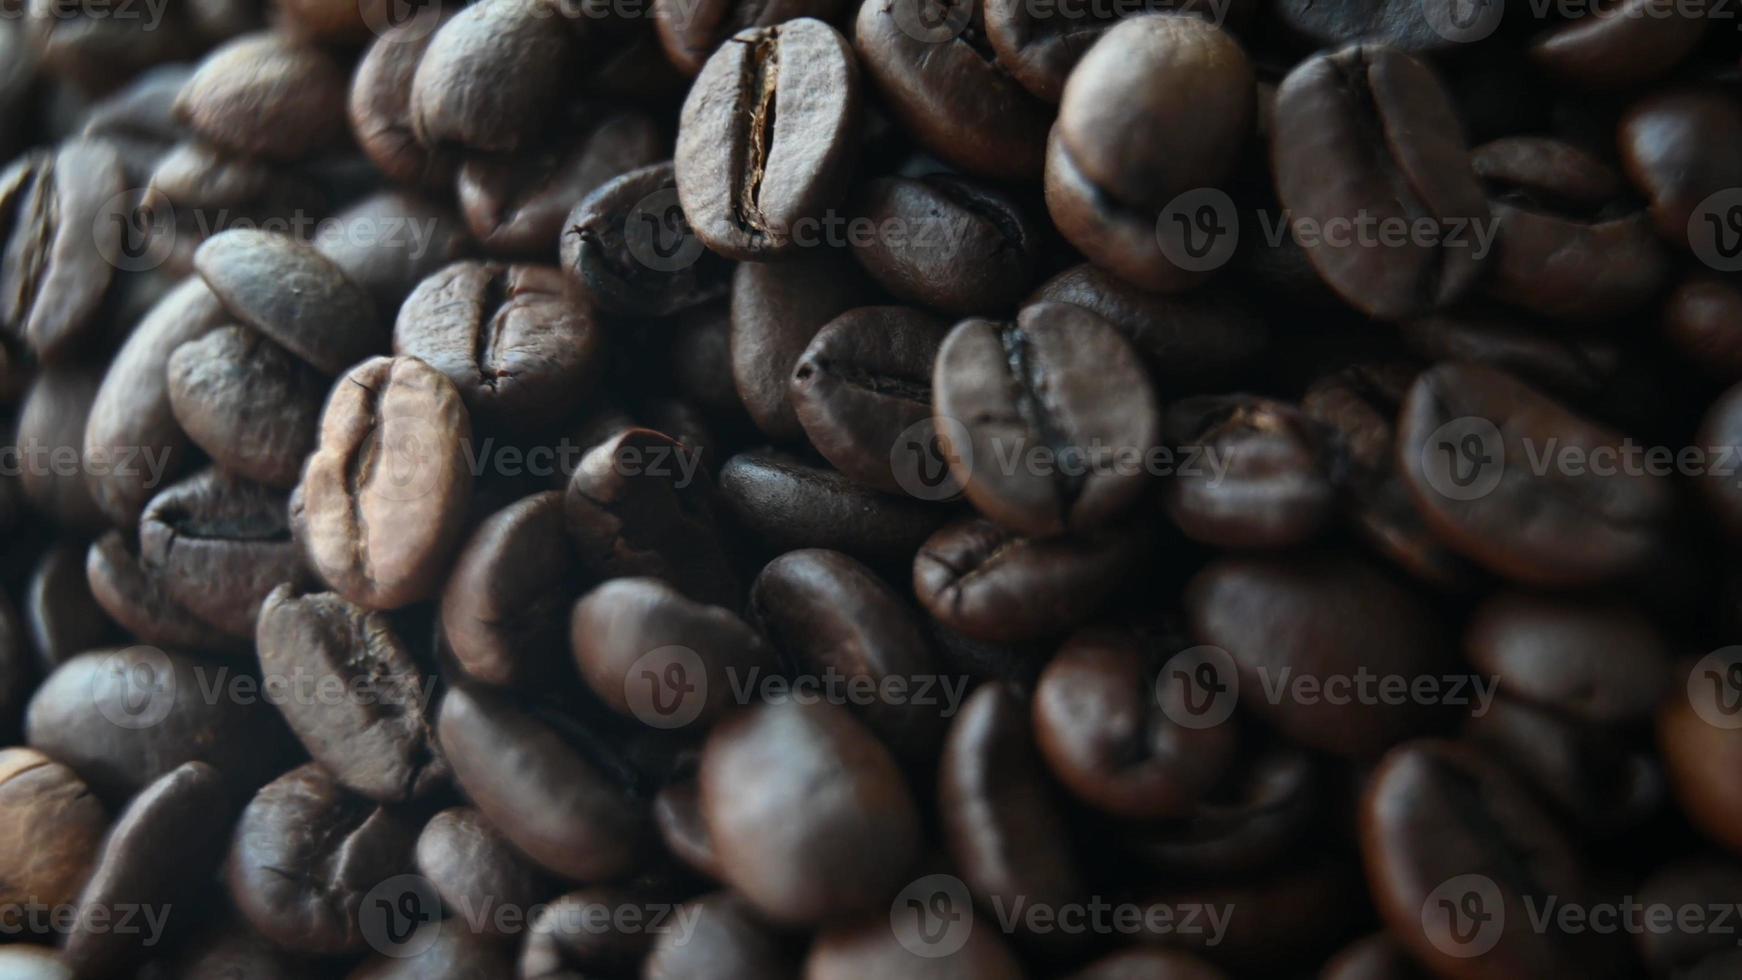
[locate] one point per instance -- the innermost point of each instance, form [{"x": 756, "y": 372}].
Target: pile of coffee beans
[{"x": 921, "y": 489}]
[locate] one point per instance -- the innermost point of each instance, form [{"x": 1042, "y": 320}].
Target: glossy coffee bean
[
  {"x": 1619, "y": 46},
  {"x": 305, "y": 854},
  {"x": 677, "y": 809},
  {"x": 377, "y": 737},
  {"x": 506, "y": 602},
  {"x": 1599, "y": 662},
  {"x": 1048, "y": 413},
  {"x": 292, "y": 294},
  {"x": 1252, "y": 473},
  {"x": 1041, "y": 45},
  {"x": 1698, "y": 880},
  {"x": 60, "y": 229},
  {"x": 51, "y": 425},
  {"x": 552, "y": 803},
  {"x": 138, "y": 602},
  {"x": 1465, "y": 429},
  {"x": 1721, "y": 430},
  {"x": 1697, "y": 750},
  {"x": 263, "y": 95},
  {"x": 988, "y": 583},
  {"x": 248, "y": 403},
  {"x": 730, "y": 942},
  {"x": 1570, "y": 366},
  {"x": 1254, "y": 816},
  {"x": 628, "y": 245},
  {"x": 1699, "y": 319},
  {"x": 488, "y": 80},
  {"x": 123, "y": 718},
  {"x": 57, "y": 826},
  {"x": 520, "y": 350},
  {"x": 945, "y": 242},
  {"x": 60, "y": 615},
  {"x": 472, "y": 867},
  {"x": 389, "y": 242},
  {"x": 1679, "y": 148},
  {"x": 612, "y": 936},
  {"x": 765, "y": 138},
  {"x": 379, "y": 107},
  {"x": 383, "y": 497},
  {"x": 1379, "y": 115},
  {"x": 810, "y": 815}
]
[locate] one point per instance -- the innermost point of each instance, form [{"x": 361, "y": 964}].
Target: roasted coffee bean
[
  {"x": 555, "y": 949},
  {"x": 292, "y": 294},
  {"x": 1704, "y": 880},
  {"x": 443, "y": 953},
  {"x": 677, "y": 809},
  {"x": 51, "y": 429},
  {"x": 378, "y": 740},
  {"x": 1252, "y": 474},
  {"x": 765, "y": 141},
  {"x": 629, "y": 246},
  {"x": 729, "y": 942},
  {"x": 488, "y": 80},
  {"x": 1061, "y": 394},
  {"x": 1701, "y": 318},
  {"x": 1596, "y": 662},
  {"x": 985, "y": 582},
  {"x": 1041, "y": 45},
  {"x": 306, "y": 853},
  {"x": 941, "y": 80},
  {"x": 689, "y": 34},
  {"x": 61, "y": 616},
  {"x": 139, "y": 121},
  {"x": 384, "y": 496},
  {"x": 834, "y": 618},
  {"x": 1432, "y": 25},
  {"x": 249, "y": 403},
  {"x": 1288, "y": 914},
  {"x": 810, "y": 816},
  {"x": 217, "y": 545},
  {"x": 520, "y": 350},
  {"x": 389, "y": 242},
  {"x": 28, "y": 961},
  {"x": 777, "y": 307},
  {"x": 1380, "y": 117},
  {"x": 654, "y": 655},
  {"x": 1679, "y": 148},
  {"x": 163, "y": 847},
  {"x": 862, "y": 386},
  {"x": 1445, "y": 830},
  {"x": 138, "y": 601},
  {"x": 1254, "y": 815},
  {"x": 640, "y": 505},
  {"x": 379, "y": 107},
  {"x": 505, "y": 607},
  {"x": 1467, "y": 437},
  {"x": 1566, "y": 247},
  {"x": 61, "y": 218},
  {"x": 262, "y": 95},
  {"x": 784, "y": 503},
  {"x": 520, "y": 208},
  {"x": 200, "y": 176},
  {"x": 472, "y": 866},
  {"x": 552, "y": 803},
  {"x": 122, "y": 718},
  {"x": 1620, "y": 45},
  {"x": 947, "y": 243},
  {"x": 1697, "y": 749},
  {"x": 1721, "y": 432},
  {"x": 1151, "y": 963},
  {"x": 1579, "y": 368},
  {"x": 872, "y": 948},
  {"x": 57, "y": 826}
]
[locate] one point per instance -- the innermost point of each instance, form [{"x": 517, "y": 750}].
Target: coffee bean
[
  {"x": 377, "y": 739},
  {"x": 1699, "y": 319},
  {"x": 629, "y": 246},
  {"x": 137, "y": 601},
  {"x": 1465, "y": 423},
  {"x": 946, "y": 242},
  {"x": 1423, "y": 27},
  {"x": 1040, "y": 46},
  {"x": 555, "y": 949},
  {"x": 1253, "y": 473},
  {"x": 1377, "y": 957},
  {"x": 677, "y": 809},
  {"x": 1680, "y": 147},
  {"x": 249, "y": 403},
  {"x": 1061, "y": 394},
  {"x": 1697, "y": 750},
  {"x": 1600, "y": 663},
  {"x": 320, "y": 316},
  {"x": 472, "y": 866},
  {"x": 489, "y": 76},
  {"x": 1705, "y": 880},
  {"x": 1157, "y": 964},
  {"x": 547, "y": 798},
  {"x": 61, "y": 616},
  {"x": 690, "y": 33},
  {"x": 445, "y": 953},
  {"x": 504, "y": 608},
  {"x": 983, "y": 581},
  {"x": 1255, "y": 815},
  {"x": 1574, "y": 367},
  {"x": 305, "y": 855},
  {"x": 379, "y": 107},
  {"x": 729, "y": 942},
  {"x": 57, "y": 826},
  {"x": 519, "y": 209},
  {"x": 262, "y": 95},
  {"x": 384, "y": 496},
  {"x": 519, "y": 350},
  {"x": 217, "y": 545},
  {"x": 61, "y": 222},
  {"x": 1380, "y": 116},
  {"x": 868, "y": 949},
  {"x": 749, "y": 185},
  {"x": 1619, "y": 46},
  {"x": 32, "y": 962},
  {"x": 389, "y": 242},
  {"x": 51, "y": 428},
  {"x": 809, "y": 813}
]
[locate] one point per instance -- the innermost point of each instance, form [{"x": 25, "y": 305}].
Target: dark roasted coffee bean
[
  {"x": 217, "y": 545},
  {"x": 377, "y": 738},
  {"x": 640, "y": 505},
  {"x": 505, "y": 607},
  {"x": 1250, "y": 473},
  {"x": 292, "y": 294},
  {"x": 249, "y": 403},
  {"x": 202, "y": 177},
  {"x": 1429, "y": 25},
  {"x": 520, "y": 208},
  {"x": 488, "y": 81},
  {"x": 61, "y": 216},
  {"x": 1575, "y": 367},
  {"x": 1620, "y": 44},
  {"x": 862, "y": 386},
  {"x": 60, "y": 614},
  {"x": 164, "y": 846},
  {"x": 1040, "y": 45},
  {"x": 1139, "y": 963},
  {"x": 809, "y": 814},
  {"x": 1702, "y": 318},
  {"x": 552, "y": 803},
  {"x": 729, "y": 942},
  {"x": 1445, "y": 834},
  {"x": 750, "y": 185},
  {"x": 629, "y": 246},
  {"x": 785, "y": 503},
  {"x": 1698, "y": 747},
  {"x": 52, "y": 465},
  {"x": 834, "y": 618},
  {"x": 677, "y": 809},
  {"x": 1046, "y": 421},
  {"x": 777, "y": 307},
  {"x": 520, "y": 350},
  {"x": 122, "y": 718},
  {"x": 1705, "y": 880},
  {"x": 690, "y": 32},
  {"x": 389, "y": 242},
  {"x": 379, "y": 107},
  {"x": 1469, "y": 440},
  {"x": 138, "y": 601},
  {"x": 56, "y": 827},
  {"x": 1721, "y": 433},
  {"x": 1287, "y": 914},
  {"x": 1381, "y": 118},
  {"x": 945, "y": 242},
  {"x": 472, "y": 867},
  {"x": 985, "y": 582},
  {"x": 941, "y": 80},
  {"x": 304, "y": 856},
  {"x": 1680, "y": 147},
  {"x": 444, "y": 952},
  {"x": 263, "y": 95},
  {"x": 1597, "y": 662},
  {"x": 872, "y": 948},
  {"x": 614, "y": 937},
  {"x": 383, "y": 499},
  {"x": 1254, "y": 815}
]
